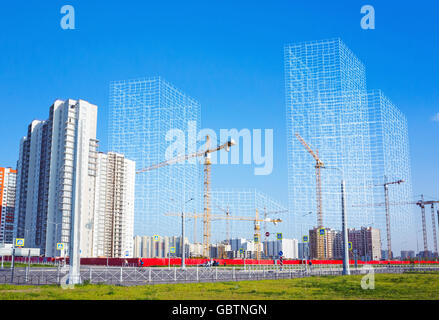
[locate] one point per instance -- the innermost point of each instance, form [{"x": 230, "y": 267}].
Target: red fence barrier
[{"x": 148, "y": 262}]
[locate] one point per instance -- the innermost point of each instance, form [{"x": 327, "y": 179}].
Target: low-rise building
[{"x": 288, "y": 247}]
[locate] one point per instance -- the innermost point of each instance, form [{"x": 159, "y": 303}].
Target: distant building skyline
[{"x": 243, "y": 202}]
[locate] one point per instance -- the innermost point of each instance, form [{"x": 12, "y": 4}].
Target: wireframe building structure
[
  {"x": 327, "y": 105},
  {"x": 391, "y": 162},
  {"x": 241, "y": 202},
  {"x": 149, "y": 118},
  {"x": 360, "y": 132}
]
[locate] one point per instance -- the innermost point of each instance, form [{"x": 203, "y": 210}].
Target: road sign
[
  {"x": 322, "y": 231},
  {"x": 60, "y": 246},
  {"x": 127, "y": 253},
  {"x": 279, "y": 236},
  {"x": 19, "y": 242},
  {"x": 267, "y": 234},
  {"x": 156, "y": 237},
  {"x": 305, "y": 239},
  {"x": 172, "y": 250},
  {"x": 350, "y": 245},
  {"x": 241, "y": 250},
  {"x": 281, "y": 253},
  {"x": 256, "y": 238}
]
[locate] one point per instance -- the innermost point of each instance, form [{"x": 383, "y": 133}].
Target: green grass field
[
  {"x": 23, "y": 265},
  {"x": 387, "y": 286}
]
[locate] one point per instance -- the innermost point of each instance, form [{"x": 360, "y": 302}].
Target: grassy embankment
[{"x": 387, "y": 286}]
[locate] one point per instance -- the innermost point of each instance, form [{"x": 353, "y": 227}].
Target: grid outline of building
[
  {"x": 391, "y": 162},
  {"x": 142, "y": 112},
  {"x": 327, "y": 105},
  {"x": 359, "y": 131}
]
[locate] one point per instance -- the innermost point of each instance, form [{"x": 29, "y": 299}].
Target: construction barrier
[{"x": 150, "y": 262}]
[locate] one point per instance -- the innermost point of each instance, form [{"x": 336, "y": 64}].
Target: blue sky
[{"x": 226, "y": 54}]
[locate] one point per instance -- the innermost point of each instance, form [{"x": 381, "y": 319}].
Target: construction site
[{"x": 154, "y": 200}]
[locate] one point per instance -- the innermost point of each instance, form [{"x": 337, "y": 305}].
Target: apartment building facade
[
  {"x": 114, "y": 206},
  {"x": 152, "y": 247},
  {"x": 56, "y": 179},
  {"x": 366, "y": 243},
  {"x": 8, "y": 180},
  {"x": 321, "y": 243}
]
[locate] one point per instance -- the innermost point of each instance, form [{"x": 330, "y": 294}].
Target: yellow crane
[
  {"x": 318, "y": 166},
  {"x": 207, "y": 163},
  {"x": 256, "y": 220}
]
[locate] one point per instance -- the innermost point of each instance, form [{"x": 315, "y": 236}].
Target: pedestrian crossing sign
[
  {"x": 350, "y": 245},
  {"x": 172, "y": 250},
  {"x": 279, "y": 236},
  {"x": 322, "y": 231},
  {"x": 156, "y": 237},
  {"x": 305, "y": 239},
  {"x": 19, "y": 242},
  {"x": 60, "y": 246}
]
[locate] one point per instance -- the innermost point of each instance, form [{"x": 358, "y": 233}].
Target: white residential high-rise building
[
  {"x": 56, "y": 179},
  {"x": 8, "y": 179},
  {"x": 288, "y": 247},
  {"x": 148, "y": 247},
  {"x": 114, "y": 206}
]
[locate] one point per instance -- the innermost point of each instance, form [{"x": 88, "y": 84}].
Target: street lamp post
[
  {"x": 305, "y": 246},
  {"x": 346, "y": 270},
  {"x": 182, "y": 244},
  {"x": 183, "y": 253}
]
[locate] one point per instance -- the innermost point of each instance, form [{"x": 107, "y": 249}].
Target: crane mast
[
  {"x": 386, "y": 198},
  {"x": 318, "y": 166}
]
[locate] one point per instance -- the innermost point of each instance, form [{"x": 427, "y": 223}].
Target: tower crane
[
  {"x": 256, "y": 220},
  {"x": 421, "y": 203},
  {"x": 386, "y": 197},
  {"x": 318, "y": 166},
  {"x": 207, "y": 163}
]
